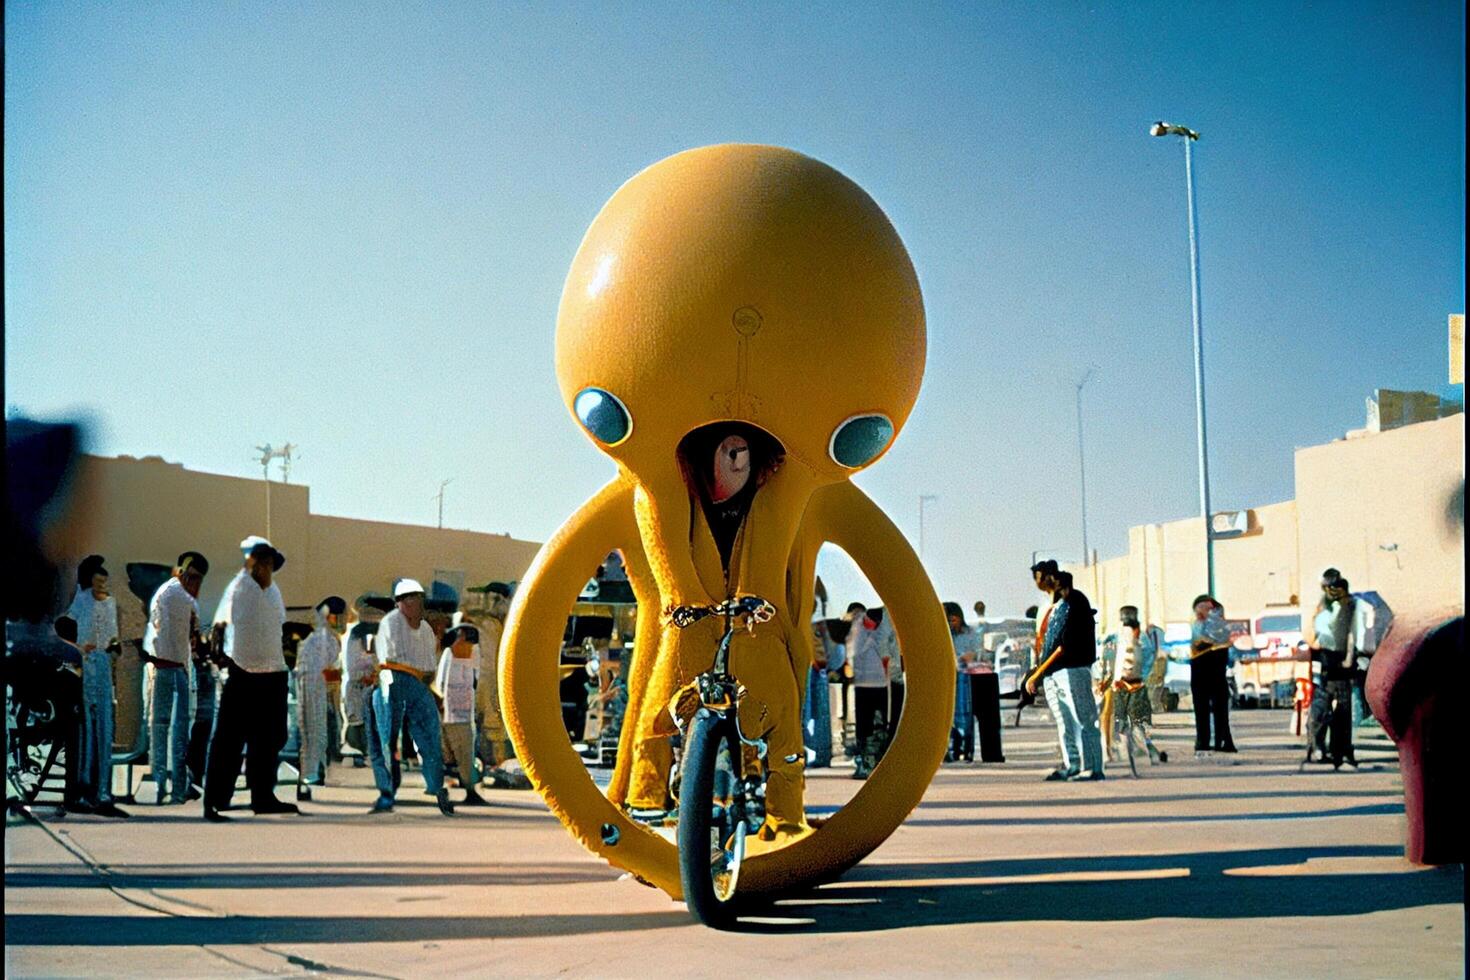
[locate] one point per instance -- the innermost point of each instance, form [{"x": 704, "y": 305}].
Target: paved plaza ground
[{"x": 1197, "y": 868}]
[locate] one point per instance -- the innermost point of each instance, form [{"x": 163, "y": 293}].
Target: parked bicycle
[{"x": 722, "y": 800}]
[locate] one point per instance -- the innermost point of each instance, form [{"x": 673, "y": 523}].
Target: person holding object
[
  {"x": 1133, "y": 662},
  {"x": 1068, "y": 650},
  {"x": 405, "y": 651},
  {"x": 168, "y": 648},
  {"x": 1209, "y": 656},
  {"x": 967, "y": 654},
  {"x": 252, "y": 707},
  {"x": 1334, "y": 648},
  {"x": 318, "y": 655},
  {"x": 359, "y": 668}
]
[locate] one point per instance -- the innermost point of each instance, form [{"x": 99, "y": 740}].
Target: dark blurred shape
[
  {"x": 1415, "y": 686},
  {"x": 146, "y": 578},
  {"x": 40, "y": 464},
  {"x": 444, "y": 594}
]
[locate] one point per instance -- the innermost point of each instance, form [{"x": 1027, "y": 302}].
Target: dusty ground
[{"x": 1195, "y": 869}]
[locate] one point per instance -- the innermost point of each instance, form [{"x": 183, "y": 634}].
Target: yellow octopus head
[{"x": 742, "y": 283}]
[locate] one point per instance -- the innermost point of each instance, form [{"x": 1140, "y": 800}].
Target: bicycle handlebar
[{"x": 756, "y": 609}]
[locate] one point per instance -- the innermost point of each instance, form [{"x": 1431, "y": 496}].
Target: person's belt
[
  {"x": 167, "y": 664},
  {"x": 404, "y": 669}
]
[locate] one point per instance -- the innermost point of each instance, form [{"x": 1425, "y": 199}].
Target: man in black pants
[
  {"x": 252, "y": 707},
  {"x": 1209, "y": 648}
]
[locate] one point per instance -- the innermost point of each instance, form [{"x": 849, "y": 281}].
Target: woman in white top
[
  {"x": 454, "y": 683},
  {"x": 95, "y": 613}
]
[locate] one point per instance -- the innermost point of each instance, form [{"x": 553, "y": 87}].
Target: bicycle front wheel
[{"x": 712, "y": 824}]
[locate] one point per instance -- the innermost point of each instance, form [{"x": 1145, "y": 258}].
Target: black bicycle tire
[{"x": 701, "y": 748}]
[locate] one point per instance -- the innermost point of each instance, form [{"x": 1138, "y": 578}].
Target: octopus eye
[
  {"x": 859, "y": 440},
  {"x": 603, "y": 415}
]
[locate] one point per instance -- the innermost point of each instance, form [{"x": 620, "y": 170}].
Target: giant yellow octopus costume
[{"x": 748, "y": 284}]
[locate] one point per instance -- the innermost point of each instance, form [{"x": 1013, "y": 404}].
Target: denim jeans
[
  {"x": 94, "y": 776},
  {"x": 816, "y": 718},
  {"x": 407, "y": 700},
  {"x": 206, "y": 693},
  {"x": 169, "y": 725},
  {"x": 1069, "y": 696}
]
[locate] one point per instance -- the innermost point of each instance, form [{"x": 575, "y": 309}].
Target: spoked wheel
[
  {"x": 712, "y": 826},
  {"x": 32, "y": 750}
]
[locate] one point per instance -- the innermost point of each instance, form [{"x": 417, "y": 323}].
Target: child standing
[{"x": 454, "y": 682}]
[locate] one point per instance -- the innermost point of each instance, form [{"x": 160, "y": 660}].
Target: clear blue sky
[{"x": 346, "y": 225}]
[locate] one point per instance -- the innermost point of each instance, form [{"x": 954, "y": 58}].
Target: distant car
[{"x": 1277, "y": 632}]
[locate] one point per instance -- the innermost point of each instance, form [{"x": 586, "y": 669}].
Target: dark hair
[
  {"x": 1047, "y": 566},
  {"x": 766, "y": 454},
  {"x": 194, "y": 560},
  {"x": 1064, "y": 579},
  {"x": 91, "y": 565},
  {"x": 855, "y": 606},
  {"x": 66, "y": 628},
  {"x": 953, "y": 609},
  {"x": 1130, "y": 620},
  {"x": 1206, "y": 597},
  {"x": 1342, "y": 583},
  {"x": 1031, "y": 612},
  {"x": 1331, "y": 575}
]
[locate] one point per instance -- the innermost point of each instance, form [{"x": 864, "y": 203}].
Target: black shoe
[
  {"x": 383, "y": 804},
  {"x": 110, "y": 809},
  {"x": 192, "y": 795},
  {"x": 1059, "y": 776},
  {"x": 1351, "y": 761},
  {"x": 471, "y": 798},
  {"x": 445, "y": 807},
  {"x": 276, "y": 806},
  {"x": 1163, "y": 757},
  {"x": 303, "y": 794},
  {"x": 1226, "y": 748},
  {"x": 214, "y": 816}
]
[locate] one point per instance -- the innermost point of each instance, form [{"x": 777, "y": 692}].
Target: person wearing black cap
[
  {"x": 1209, "y": 652},
  {"x": 168, "y": 643},
  {"x": 319, "y": 653},
  {"x": 95, "y": 613},
  {"x": 252, "y": 708}
]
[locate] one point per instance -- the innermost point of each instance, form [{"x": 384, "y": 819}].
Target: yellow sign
[{"x": 1457, "y": 348}]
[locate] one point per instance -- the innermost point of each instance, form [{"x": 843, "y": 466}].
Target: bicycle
[{"x": 711, "y": 836}]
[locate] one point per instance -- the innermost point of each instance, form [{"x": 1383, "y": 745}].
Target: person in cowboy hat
[
  {"x": 405, "y": 649},
  {"x": 168, "y": 648},
  {"x": 252, "y": 707},
  {"x": 318, "y": 654}
]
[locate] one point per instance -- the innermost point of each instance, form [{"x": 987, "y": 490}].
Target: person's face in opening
[
  {"x": 731, "y": 468},
  {"x": 412, "y": 607},
  {"x": 956, "y": 624},
  {"x": 99, "y": 586},
  {"x": 260, "y": 563},
  {"x": 191, "y": 579}
]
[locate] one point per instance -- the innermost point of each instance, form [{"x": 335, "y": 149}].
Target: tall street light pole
[
  {"x": 1082, "y": 467},
  {"x": 924, "y": 498},
  {"x": 1188, "y": 137}
]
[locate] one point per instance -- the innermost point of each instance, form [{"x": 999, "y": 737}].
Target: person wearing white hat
[
  {"x": 252, "y": 707},
  {"x": 318, "y": 654},
  {"x": 406, "y": 650}
]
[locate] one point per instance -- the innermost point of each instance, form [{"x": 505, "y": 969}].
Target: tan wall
[
  {"x": 1377, "y": 508},
  {"x": 1164, "y": 569},
  {"x": 151, "y": 510},
  {"x": 350, "y": 557}
]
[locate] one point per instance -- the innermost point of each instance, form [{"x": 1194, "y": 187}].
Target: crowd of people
[
  {"x": 218, "y": 691},
  {"x": 382, "y": 677}
]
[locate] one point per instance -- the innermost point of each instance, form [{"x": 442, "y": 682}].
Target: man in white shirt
[
  {"x": 168, "y": 647},
  {"x": 252, "y": 707},
  {"x": 406, "y": 651}
]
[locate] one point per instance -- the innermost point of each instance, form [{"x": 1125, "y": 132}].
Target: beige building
[
  {"x": 1385, "y": 507},
  {"x": 149, "y": 510}
]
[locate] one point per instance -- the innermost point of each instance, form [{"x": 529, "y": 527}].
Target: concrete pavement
[{"x": 1197, "y": 868}]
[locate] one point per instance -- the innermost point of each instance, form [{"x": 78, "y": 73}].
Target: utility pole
[
  {"x": 923, "y": 499},
  {"x": 1082, "y": 466},
  {"x": 440, "y": 497}
]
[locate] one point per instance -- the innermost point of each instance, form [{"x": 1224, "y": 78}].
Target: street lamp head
[
  {"x": 1158, "y": 129},
  {"x": 1162, "y": 128}
]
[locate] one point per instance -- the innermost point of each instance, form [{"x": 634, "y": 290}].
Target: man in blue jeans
[
  {"x": 1068, "y": 648},
  {"x": 168, "y": 646},
  {"x": 407, "y": 659}
]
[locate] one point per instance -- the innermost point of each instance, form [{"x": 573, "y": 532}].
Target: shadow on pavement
[
  {"x": 128, "y": 930},
  {"x": 1141, "y": 798},
  {"x": 1366, "y": 810},
  {"x": 201, "y": 877},
  {"x": 875, "y": 898}
]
